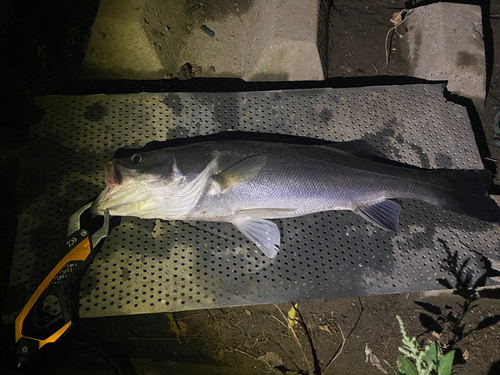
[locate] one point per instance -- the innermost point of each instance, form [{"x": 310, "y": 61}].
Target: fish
[{"x": 249, "y": 183}]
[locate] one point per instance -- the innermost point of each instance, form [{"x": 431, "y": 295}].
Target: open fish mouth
[
  {"x": 114, "y": 180},
  {"x": 113, "y": 175}
]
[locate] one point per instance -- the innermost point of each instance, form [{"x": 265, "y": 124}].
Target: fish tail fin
[{"x": 465, "y": 192}]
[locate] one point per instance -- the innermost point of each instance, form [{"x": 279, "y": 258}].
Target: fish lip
[
  {"x": 112, "y": 172},
  {"x": 113, "y": 178}
]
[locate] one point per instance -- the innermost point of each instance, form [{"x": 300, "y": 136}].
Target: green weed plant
[{"x": 428, "y": 361}]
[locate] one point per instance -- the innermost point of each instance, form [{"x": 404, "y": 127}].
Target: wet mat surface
[{"x": 150, "y": 266}]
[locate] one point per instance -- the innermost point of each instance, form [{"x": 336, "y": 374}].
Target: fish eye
[{"x": 136, "y": 158}]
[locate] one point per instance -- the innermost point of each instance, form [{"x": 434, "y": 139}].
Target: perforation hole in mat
[{"x": 154, "y": 265}]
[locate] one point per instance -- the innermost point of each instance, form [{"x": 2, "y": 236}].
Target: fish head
[{"x": 133, "y": 184}]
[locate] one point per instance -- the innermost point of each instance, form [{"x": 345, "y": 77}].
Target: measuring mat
[{"x": 148, "y": 266}]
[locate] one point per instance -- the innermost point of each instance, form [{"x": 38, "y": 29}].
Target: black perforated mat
[{"x": 154, "y": 266}]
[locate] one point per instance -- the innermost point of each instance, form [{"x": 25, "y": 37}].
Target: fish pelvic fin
[
  {"x": 263, "y": 233},
  {"x": 384, "y": 214},
  {"x": 240, "y": 172}
]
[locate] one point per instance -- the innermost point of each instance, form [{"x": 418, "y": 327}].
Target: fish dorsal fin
[
  {"x": 383, "y": 214},
  {"x": 240, "y": 172},
  {"x": 357, "y": 147},
  {"x": 263, "y": 233}
]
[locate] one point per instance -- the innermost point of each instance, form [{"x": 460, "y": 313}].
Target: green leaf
[
  {"x": 445, "y": 362},
  {"x": 405, "y": 366},
  {"x": 431, "y": 358}
]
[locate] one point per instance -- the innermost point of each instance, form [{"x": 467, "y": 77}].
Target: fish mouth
[
  {"x": 114, "y": 182},
  {"x": 112, "y": 173}
]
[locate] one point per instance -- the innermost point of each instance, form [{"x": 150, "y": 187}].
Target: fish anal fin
[
  {"x": 384, "y": 214},
  {"x": 263, "y": 233},
  {"x": 240, "y": 172}
]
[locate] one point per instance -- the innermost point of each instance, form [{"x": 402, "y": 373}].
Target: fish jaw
[
  {"x": 126, "y": 199},
  {"x": 96, "y": 207},
  {"x": 124, "y": 194}
]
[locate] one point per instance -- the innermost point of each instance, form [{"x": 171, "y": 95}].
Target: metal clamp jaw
[
  {"x": 74, "y": 225},
  {"x": 36, "y": 327}
]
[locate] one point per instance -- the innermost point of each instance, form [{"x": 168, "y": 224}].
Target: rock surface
[
  {"x": 256, "y": 40},
  {"x": 444, "y": 42}
]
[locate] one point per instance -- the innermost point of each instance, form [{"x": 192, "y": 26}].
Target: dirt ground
[
  {"x": 331, "y": 335},
  {"x": 256, "y": 340}
]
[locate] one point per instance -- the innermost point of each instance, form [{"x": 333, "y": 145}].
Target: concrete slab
[
  {"x": 282, "y": 41},
  {"x": 444, "y": 41},
  {"x": 118, "y": 46},
  {"x": 249, "y": 39}
]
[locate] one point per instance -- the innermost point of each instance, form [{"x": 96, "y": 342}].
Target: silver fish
[{"x": 248, "y": 182}]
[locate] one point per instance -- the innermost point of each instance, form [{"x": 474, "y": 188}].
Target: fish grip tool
[{"x": 35, "y": 327}]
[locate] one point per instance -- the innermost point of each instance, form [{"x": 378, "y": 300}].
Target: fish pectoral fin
[
  {"x": 263, "y": 233},
  {"x": 240, "y": 172},
  {"x": 384, "y": 214}
]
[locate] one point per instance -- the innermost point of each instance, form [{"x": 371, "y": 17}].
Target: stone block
[
  {"x": 119, "y": 47},
  {"x": 283, "y": 42},
  {"x": 444, "y": 42},
  {"x": 256, "y": 40}
]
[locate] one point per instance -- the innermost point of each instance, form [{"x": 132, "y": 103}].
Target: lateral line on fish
[{"x": 381, "y": 174}]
